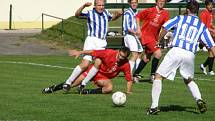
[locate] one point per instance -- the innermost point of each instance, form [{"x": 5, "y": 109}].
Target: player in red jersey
[
  {"x": 112, "y": 63},
  {"x": 153, "y": 18},
  {"x": 206, "y": 17}
]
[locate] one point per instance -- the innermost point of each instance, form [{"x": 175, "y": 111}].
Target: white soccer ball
[{"x": 119, "y": 98}]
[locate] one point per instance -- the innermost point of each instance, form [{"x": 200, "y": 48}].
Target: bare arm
[
  {"x": 129, "y": 87},
  {"x": 78, "y": 12},
  {"x": 138, "y": 33},
  {"x": 116, "y": 15},
  {"x": 77, "y": 53}
]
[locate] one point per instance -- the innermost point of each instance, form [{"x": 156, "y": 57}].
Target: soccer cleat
[
  {"x": 48, "y": 90},
  {"x": 81, "y": 89},
  {"x": 202, "y": 106},
  {"x": 152, "y": 111},
  {"x": 211, "y": 73},
  {"x": 204, "y": 70},
  {"x": 66, "y": 87}
]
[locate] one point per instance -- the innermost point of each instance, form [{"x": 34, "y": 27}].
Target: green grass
[{"x": 21, "y": 97}]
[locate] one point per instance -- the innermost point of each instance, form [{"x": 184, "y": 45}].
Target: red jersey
[
  {"x": 207, "y": 18},
  {"x": 110, "y": 67},
  {"x": 152, "y": 22}
]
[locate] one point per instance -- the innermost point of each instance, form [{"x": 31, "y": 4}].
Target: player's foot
[
  {"x": 66, "y": 87},
  {"x": 204, "y": 70},
  {"x": 211, "y": 73},
  {"x": 81, "y": 89},
  {"x": 202, "y": 106},
  {"x": 48, "y": 90},
  {"x": 152, "y": 111}
]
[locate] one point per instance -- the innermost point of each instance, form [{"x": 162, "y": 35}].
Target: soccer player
[
  {"x": 206, "y": 17},
  {"x": 153, "y": 18},
  {"x": 112, "y": 63},
  {"x": 97, "y": 22},
  {"x": 130, "y": 30},
  {"x": 188, "y": 31}
]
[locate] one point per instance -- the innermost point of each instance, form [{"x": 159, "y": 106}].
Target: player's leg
[
  {"x": 53, "y": 88},
  {"x": 104, "y": 87},
  {"x": 210, "y": 63}
]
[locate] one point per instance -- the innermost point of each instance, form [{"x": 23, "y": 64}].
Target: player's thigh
[
  {"x": 186, "y": 68},
  {"x": 133, "y": 43},
  {"x": 151, "y": 47}
]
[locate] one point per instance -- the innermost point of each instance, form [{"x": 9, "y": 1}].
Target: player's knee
[
  {"x": 107, "y": 89},
  {"x": 187, "y": 81}
]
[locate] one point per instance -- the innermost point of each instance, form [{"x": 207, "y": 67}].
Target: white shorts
[
  {"x": 174, "y": 59},
  {"x": 93, "y": 43},
  {"x": 133, "y": 43}
]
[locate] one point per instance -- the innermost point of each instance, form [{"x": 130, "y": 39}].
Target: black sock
[
  {"x": 155, "y": 62},
  {"x": 201, "y": 45},
  {"x": 210, "y": 63},
  {"x": 92, "y": 91},
  {"x": 57, "y": 87},
  {"x": 206, "y": 62},
  {"x": 140, "y": 67}
]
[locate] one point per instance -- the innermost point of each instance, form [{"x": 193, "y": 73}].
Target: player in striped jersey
[
  {"x": 188, "y": 31},
  {"x": 206, "y": 17},
  {"x": 97, "y": 22},
  {"x": 131, "y": 39}
]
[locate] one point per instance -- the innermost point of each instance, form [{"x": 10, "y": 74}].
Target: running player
[{"x": 188, "y": 31}]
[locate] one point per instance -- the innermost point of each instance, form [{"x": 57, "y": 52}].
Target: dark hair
[
  {"x": 193, "y": 6},
  {"x": 125, "y": 50},
  {"x": 129, "y": 1},
  {"x": 207, "y": 2}
]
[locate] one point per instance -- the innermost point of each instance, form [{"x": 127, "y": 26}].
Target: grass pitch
[{"x": 23, "y": 77}]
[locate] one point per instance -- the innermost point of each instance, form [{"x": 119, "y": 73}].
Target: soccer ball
[{"x": 119, "y": 98}]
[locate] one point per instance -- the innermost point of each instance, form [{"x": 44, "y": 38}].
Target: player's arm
[
  {"x": 163, "y": 32},
  {"x": 127, "y": 72},
  {"x": 138, "y": 33},
  {"x": 116, "y": 15},
  {"x": 77, "y": 53},
  {"x": 78, "y": 12}
]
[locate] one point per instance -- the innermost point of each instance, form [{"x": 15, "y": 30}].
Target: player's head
[
  {"x": 160, "y": 3},
  {"x": 99, "y": 5},
  {"x": 133, "y": 3},
  {"x": 209, "y": 5},
  {"x": 192, "y": 7},
  {"x": 123, "y": 54}
]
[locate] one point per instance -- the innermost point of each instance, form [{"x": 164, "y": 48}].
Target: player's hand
[
  {"x": 87, "y": 4},
  {"x": 74, "y": 53}
]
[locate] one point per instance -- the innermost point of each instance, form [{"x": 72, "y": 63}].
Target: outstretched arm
[
  {"x": 77, "y": 53},
  {"x": 116, "y": 15},
  {"x": 78, "y": 12}
]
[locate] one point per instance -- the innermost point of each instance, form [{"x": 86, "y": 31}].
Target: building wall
[{"x": 28, "y": 13}]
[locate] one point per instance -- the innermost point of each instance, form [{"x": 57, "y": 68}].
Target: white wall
[{"x": 31, "y": 10}]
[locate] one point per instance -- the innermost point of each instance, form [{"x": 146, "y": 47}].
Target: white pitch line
[
  {"x": 35, "y": 64},
  {"x": 199, "y": 79}
]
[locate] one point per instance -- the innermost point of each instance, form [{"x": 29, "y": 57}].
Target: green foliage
[{"x": 21, "y": 97}]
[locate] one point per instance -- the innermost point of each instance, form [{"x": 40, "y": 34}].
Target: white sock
[
  {"x": 193, "y": 87},
  {"x": 76, "y": 72},
  {"x": 137, "y": 62},
  {"x": 93, "y": 71},
  {"x": 132, "y": 64},
  {"x": 156, "y": 91}
]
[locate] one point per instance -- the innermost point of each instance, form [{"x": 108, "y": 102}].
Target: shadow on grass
[{"x": 178, "y": 108}]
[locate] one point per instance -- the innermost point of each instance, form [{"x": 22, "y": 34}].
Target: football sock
[
  {"x": 156, "y": 91},
  {"x": 76, "y": 72},
  {"x": 58, "y": 87},
  {"x": 93, "y": 71},
  {"x": 92, "y": 91},
  {"x": 141, "y": 65},
  {"x": 132, "y": 65},
  {"x": 206, "y": 62},
  {"x": 210, "y": 63},
  {"x": 137, "y": 62},
  {"x": 193, "y": 87},
  {"x": 155, "y": 62}
]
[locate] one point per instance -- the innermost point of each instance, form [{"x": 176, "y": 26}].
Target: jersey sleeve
[
  {"x": 127, "y": 71},
  {"x": 109, "y": 15},
  {"x": 171, "y": 23},
  {"x": 127, "y": 22},
  {"x": 207, "y": 39}
]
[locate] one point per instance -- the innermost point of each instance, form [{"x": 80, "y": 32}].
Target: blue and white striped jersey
[
  {"x": 129, "y": 21},
  {"x": 188, "y": 31},
  {"x": 97, "y": 23}
]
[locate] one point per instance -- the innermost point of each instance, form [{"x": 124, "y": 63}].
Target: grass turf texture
[{"x": 21, "y": 97}]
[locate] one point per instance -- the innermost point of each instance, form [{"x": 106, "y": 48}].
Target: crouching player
[{"x": 112, "y": 63}]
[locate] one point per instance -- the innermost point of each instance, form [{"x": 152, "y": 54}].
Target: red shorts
[
  {"x": 151, "y": 47},
  {"x": 97, "y": 77}
]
